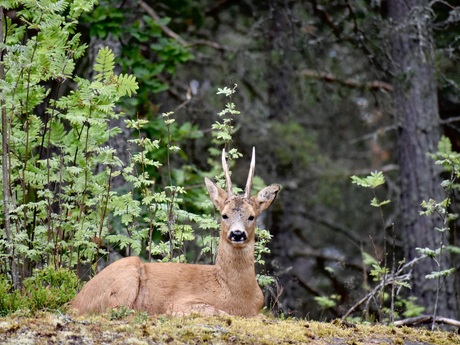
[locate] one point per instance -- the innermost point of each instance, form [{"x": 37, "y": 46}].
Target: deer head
[{"x": 239, "y": 212}]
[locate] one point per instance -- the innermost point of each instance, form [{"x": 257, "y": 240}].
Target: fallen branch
[
  {"x": 375, "y": 85},
  {"x": 413, "y": 321}
]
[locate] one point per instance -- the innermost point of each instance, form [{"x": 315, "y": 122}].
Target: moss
[{"x": 48, "y": 327}]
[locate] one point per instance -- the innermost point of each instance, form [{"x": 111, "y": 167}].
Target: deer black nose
[{"x": 237, "y": 236}]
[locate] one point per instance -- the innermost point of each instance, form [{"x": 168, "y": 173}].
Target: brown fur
[{"x": 228, "y": 287}]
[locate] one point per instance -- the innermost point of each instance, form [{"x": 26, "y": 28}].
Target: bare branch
[
  {"x": 208, "y": 43},
  {"x": 375, "y": 85},
  {"x": 308, "y": 252},
  {"x": 450, "y": 120},
  {"x": 151, "y": 12}
]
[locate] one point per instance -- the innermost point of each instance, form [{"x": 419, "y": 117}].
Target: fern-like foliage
[
  {"x": 55, "y": 144},
  {"x": 105, "y": 63},
  {"x": 127, "y": 85}
]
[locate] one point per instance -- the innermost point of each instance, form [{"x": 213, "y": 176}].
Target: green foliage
[
  {"x": 450, "y": 161},
  {"x": 223, "y": 129},
  {"x": 382, "y": 276},
  {"x": 372, "y": 181},
  {"x": 123, "y": 312},
  {"x": 156, "y": 211},
  {"x": 376, "y": 271},
  {"x": 145, "y": 51},
  {"x": 60, "y": 149},
  {"x": 120, "y": 313},
  {"x": 10, "y": 299},
  {"x": 50, "y": 288},
  {"x": 53, "y": 144},
  {"x": 440, "y": 274},
  {"x": 327, "y": 301},
  {"x": 409, "y": 307},
  {"x": 46, "y": 289}
]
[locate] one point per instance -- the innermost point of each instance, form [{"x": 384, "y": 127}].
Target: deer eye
[
  {"x": 251, "y": 218},
  {"x": 224, "y": 216}
]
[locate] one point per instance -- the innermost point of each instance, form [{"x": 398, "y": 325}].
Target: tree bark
[
  {"x": 5, "y": 170},
  {"x": 280, "y": 69},
  {"x": 416, "y": 112}
]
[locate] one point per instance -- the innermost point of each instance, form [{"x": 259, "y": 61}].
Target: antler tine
[
  {"x": 247, "y": 190},
  {"x": 227, "y": 174}
]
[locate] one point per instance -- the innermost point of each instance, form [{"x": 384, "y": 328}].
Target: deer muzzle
[{"x": 237, "y": 236}]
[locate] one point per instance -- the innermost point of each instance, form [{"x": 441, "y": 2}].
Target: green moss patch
[{"x": 49, "y": 328}]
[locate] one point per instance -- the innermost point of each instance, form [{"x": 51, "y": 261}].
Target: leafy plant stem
[
  {"x": 47, "y": 133},
  {"x": 25, "y": 188},
  {"x": 103, "y": 213},
  {"x": 393, "y": 270},
  {"x": 385, "y": 263},
  {"x": 152, "y": 217},
  {"x": 439, "y": 264},
  {"x": 85, "y": 188}
]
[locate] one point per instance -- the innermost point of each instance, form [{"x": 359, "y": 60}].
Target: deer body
[{"x": 228, "y": 287}]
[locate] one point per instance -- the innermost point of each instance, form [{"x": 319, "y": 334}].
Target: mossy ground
[{"x": 50, "y": 328}]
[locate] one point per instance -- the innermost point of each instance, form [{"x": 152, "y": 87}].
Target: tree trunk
[
  {"x": 416, "y": 112},
  {"x": 280, "y": 69}
]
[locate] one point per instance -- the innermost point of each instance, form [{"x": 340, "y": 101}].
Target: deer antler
[
  {"x": 227, "y": 174},
  {"x": 247, "y": 190}
]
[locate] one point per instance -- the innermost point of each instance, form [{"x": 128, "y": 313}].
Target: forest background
[{"x": 326, "y": 90}]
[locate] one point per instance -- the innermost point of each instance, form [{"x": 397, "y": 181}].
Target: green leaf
[
  {"x": 444, "y": 145},
  {"x": 373, "y": 180},
  {"x": 453, "y": 249},
  {"x": 438, "y": 274},
  {"x": 368, "y": 260},
  {"x": 376, "y": 203},
  {"x": 105, "y": 63},
  {"x": 327, "y": 301},
  {"x": 429, "y": 252},
  {"x": 127, "y": 85}
]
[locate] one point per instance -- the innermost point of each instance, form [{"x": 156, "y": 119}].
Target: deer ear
[
  {"x": 217, "y": 194},
  {"x": 265, "y": 197}
]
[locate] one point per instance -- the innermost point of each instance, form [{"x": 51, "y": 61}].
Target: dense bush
[{"x": 45, "y": 289}]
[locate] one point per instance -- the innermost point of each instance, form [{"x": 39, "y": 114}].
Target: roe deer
[{"x": 228, "y": 287}]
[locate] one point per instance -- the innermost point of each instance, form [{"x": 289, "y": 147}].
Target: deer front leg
[{"x": 202, "y": 309}]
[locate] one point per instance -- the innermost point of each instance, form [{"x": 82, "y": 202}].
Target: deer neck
[{"x": 235, "y": 266}]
